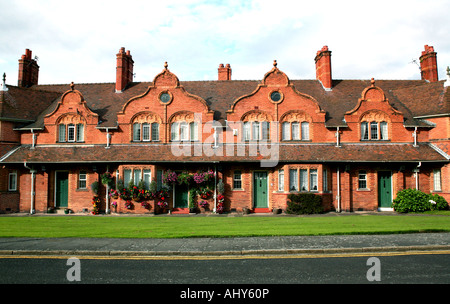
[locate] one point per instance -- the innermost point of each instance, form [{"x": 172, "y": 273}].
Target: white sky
[{"x": 78, "y": 40}]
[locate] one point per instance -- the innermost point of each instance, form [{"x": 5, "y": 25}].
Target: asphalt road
[{"x": 398, "y": 268}]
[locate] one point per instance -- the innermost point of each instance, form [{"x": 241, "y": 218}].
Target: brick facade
[{"x": 340, "y": 139}]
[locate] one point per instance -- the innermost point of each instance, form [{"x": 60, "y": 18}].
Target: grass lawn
[{"x": 216, "y": 226}]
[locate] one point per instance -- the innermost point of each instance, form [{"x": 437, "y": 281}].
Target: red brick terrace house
[{"x": 354, "y": 142}]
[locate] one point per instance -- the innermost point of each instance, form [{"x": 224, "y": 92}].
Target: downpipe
[{"x": 32, "y": 193}]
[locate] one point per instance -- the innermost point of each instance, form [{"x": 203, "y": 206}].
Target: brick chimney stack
[
  {"x": 428, "y": 64},
  {"x": 124, "y": 70},
  {"x": 224, "y": 72},
  {"x": 323, "y": 68},
  {"x": 28, "y": 70}
]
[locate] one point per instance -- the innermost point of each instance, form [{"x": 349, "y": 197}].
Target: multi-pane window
[
  {"x": 184, "y": 131},
  {"x": 71, "y": 133},
  {"x": 295, "y": 130},
  {"x": 82, "y": 180},
  {"x": 293, "y": 179},
  {"x": 12, "y": 181},
  {"x": 362, "y": 180},
  {"x": 138, "y": 175},
  {"x": 437, "y": 180},
  {"x": 303, "y": 180},
  {"x": 256, "y": 130},
  {"x": 237, "y": 179},
  {"x": 281, "y": 180},
  {"x": 325, "y": 180},
  {"x": 374, "y": 130},
  {"x": 146, "y": 131}
]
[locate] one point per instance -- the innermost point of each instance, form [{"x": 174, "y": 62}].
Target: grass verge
[{"x": 183, "y": 227}]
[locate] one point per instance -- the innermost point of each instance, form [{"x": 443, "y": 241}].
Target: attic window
[
  {"x": 275, "y": 96},
  {"x": 165, "y": 97}
]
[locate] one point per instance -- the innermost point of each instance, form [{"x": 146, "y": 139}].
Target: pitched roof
[
  {"x": 411, "y": 97},
  {"x": 166, "y": 153}
]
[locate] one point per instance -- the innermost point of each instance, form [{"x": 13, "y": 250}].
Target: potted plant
[
  {"x": 192, "y": 202},
  {"x": 129, "y": 205},
  {"x": 113, "y": 193},
  {"x": 204, "y": 205},
  {"x": 107, "y": 179},
  {"x": 95, "y": 205},
  {"x": 184, "y": 178},
  {"x": 94, "y": 187},
  {"x": 114, "y": 205}
]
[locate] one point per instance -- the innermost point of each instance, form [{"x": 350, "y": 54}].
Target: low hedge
[
  {"x": 304, "y": 203},
  {"x": 412, "y": 200}
]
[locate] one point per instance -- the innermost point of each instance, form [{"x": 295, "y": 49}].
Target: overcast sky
[{"x": 78, "y": 40}]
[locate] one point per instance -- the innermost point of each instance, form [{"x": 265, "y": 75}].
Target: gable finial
[
  {"x": 3, "y": 84},
  {"x": 372, "y": 81},
  {"x": 165, "y": 65},
  {"x": 72, "y": 86},
  {"x": 275, "y": 63}
]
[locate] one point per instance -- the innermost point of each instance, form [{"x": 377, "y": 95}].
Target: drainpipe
[
  {"x": 107, "y": 192},
  {"x": 108, "y": 138},
  {"x": 415, "y": 136},
  {"x": 338, "y": 190},
  {"x": 215, "y": 188},
  {"x": 32, "y": 193},
  {"x": 33, "y": 135},
  {"x": 417, "y": 175},
  {"x": 337, "y": 137}
]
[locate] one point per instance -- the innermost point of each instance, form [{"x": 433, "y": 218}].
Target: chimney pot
[
  {"x": 428, "y": 64},
  {"x": 124, "y": 69},
  {"x": 28, "y": 70},
  {"x": 224, "y": 72},
  {"x": 323, "y": 67}
]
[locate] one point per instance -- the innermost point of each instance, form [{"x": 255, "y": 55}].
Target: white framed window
[
  {"x": 362, "y": 179},
  {"x": 12, "y": 181},
  {"x": 364, "y": 131},
  {"x": 256, "y": 130},
  {"x": 437, "y": 186},
  {"x": 184, "y": 131},
  {"x": 237, "y": 179},
  {"x": 80, "y": 132},
  {"x": 145, "y": 132},
  {"x": 137, "y": 176},
  {"x": 127, "y": 173},
  {"x": 295, "y": 131},
  {"x": 265, "y": 132},
  {"x": 286, "y": 131},
  {"x": 155, "y": 131},
  {"x": 62, "y": 133},
  {"x": 175, "y": 135},
  {"x": 147, "y": 178},
  {"x": 293, "y": 180},
  {"x": 304, "y": 180},
  {"x": 281, "y": 180},
  {"x": 82, "y": 180},
  {"x": 325, "y": 179},
  {"x": 136, "y": 131},
  {"x": 71, "y": 133},
  {"x": 374, "y": 130},
  {"x": 305, "y": 130},
  {"x": 193, "y": 126},
  {"x": 247, "y": 131},
  {"x": 313, "y": 182}
]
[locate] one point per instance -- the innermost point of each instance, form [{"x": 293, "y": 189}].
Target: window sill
[
  {"x": 238, "y": 189},
  {"x": 363, "y": 189}
]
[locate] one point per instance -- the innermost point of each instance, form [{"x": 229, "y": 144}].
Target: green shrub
[
  {"x": 304, "y": 203},
  {"x": 412, "y": 200},
  {"x": 441, "y": 203}
]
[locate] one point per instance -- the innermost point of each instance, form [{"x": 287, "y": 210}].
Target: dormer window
[
  {"x": 71, "y": 133},
  {"x": 145, "y": 127},
  {"x": 374, "y": 130}
]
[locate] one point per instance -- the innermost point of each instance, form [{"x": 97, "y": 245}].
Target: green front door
[
  {"x": 181, "y": 196},
  {"x": 260, "y": 197},
  {"x": 384, "y": 189},
  {"x": 62, "y": 189}
]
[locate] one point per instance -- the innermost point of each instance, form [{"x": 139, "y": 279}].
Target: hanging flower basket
[{"x": 129, "y": 205}]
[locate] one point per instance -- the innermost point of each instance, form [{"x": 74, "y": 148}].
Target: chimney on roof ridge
[
  {"x": 428, "y": 64},
  {"x": 28, "y": 70},
  {"x": 124, "y": 70},
  {"x": 323, "y": 68},
  {"x": 224, "y": 72}
]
